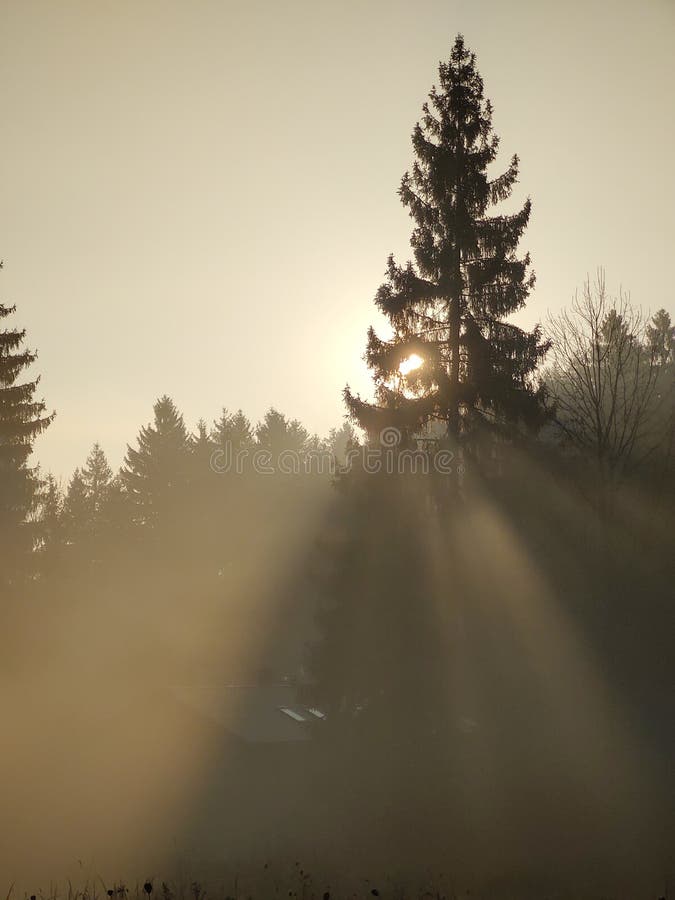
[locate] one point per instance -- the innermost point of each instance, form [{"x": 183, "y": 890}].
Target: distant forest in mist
[{"x": 470, "y": 580}]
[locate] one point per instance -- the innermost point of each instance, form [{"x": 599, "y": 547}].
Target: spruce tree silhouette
[
  {"x": 661, "y": 337},
  {"x": 234, "y": 429},
  {"x": 449, "y": 307},
  {"x": 76, "y": 509},
  {"x": 277, "y": 434},
  {"x": 98, "y": 480},
  {"x": 88, "y": 514},
  {"x": 200, "y": 443},
  {"x": 22, "y": 419},
  {"x": 50, "y": 523},
  {"x": 156, "y": 472}
]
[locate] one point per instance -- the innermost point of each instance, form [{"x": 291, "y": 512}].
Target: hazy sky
[{"x": 198, "y": 197}]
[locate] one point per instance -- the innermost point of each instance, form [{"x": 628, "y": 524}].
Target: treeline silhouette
[
  {"x": 472, "y": 583},
  {"x": 188, "y": 515}
]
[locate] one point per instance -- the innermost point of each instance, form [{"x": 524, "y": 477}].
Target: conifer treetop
[{"x": 22, "y": 417}]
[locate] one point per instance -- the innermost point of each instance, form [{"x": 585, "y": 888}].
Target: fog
[
  {"x": 142, "y": 704},
  {"x": 427, "y": 652}
]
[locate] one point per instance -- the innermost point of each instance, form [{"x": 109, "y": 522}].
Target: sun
[{"x": 410, "y": 363}]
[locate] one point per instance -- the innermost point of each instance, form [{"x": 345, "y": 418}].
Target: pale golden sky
[{"x": 198, "y": 197}]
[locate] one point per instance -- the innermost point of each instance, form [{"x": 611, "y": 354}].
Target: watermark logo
[{"x": 389, "y": 455}]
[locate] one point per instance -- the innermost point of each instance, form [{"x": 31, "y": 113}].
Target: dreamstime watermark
[{"x": 385, "y": 457}]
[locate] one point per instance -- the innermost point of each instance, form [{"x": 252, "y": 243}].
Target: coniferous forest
[{"x": 429, "y": 653}]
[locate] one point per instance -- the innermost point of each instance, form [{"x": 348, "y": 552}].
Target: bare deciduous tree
[{"x": 604, "y": 379}]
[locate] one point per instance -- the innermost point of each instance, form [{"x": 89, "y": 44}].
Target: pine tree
[
  {"x": 88, "y": 514},
  {"x": 448, "y": 310},
  {"x": 234, "y": 429},
  {"x": 661, "y": 337},
  {"x": 77, "y": 509},
  {"x": 51, "y": 509},
  {"x": 156, "y": 472},
  {"x": 201, "y": 451},
  {"x": 277, "y": 434},
  {"x": 22, "y": 419},
  {"x": 201, "y": 444},
  {"x": 50, "y": 522},
  {"x": 98, "y": 481}
]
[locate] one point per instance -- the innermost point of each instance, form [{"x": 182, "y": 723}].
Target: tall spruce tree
[
  {"x": 449, "y": 308},
  {"x": 156, "y": 472},
  {"x": 22, "y": 419}
]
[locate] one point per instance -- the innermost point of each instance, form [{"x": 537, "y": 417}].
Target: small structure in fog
[{"x": 251, "y": 714}]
